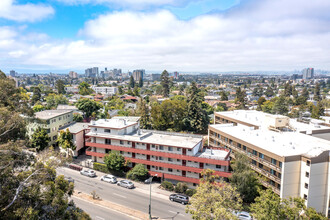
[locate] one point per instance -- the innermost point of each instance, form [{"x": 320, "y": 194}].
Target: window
[
  {"x": 107, "y": 151},
  {"x": 244, "y": 147},
  {"x": 261, "y": 166},
  {"x": 121, "y": 142},
  {"x": 121, "y": 152},
  {"x": 305, "y": 196},
  {"x": 308, "y": 162},
  {"x": 206, "y": 164},
  {"x": 274, "y": 161},
  {"x": 129, "y": 153},
  {"x": 161, "y": 147},
  {"x": 107, "y": 130},
  {"x": 153, "y": 146},
  {"x": 307, "y": 174},
  {"x": 272, "y": 183},
  {"x": 280, "y": 164},
  {"x": 178, "y": 160},
  {"x": 254, "y": 162},
  {"x": 170, "y": 148},
  {"x": 160, "y": 158},
  {"x": 153, "y": 166},
  {"x": 170, "y": 170},
  {"x": 128, "y": 142},
  {"x": 178, "y": 149},
  {"x": 107, "y": 141},
  {"x": 261, "y": 156},
  {"x": 218, "y": 166},
  {"x": 189, "y": 150},
  {"x": 254, "y": 152},
  {"x": 306, "y": 185},
  {"x": 273, "y": 172},
  {"x": 239, "y": 145},
  {"x": 143, "y": 144},
  {"x": 160, "y": 168},
  {"x": 60, "y": 118},
  {"x": 279, "y": 175},
  {"x": 170, "y": 159}
]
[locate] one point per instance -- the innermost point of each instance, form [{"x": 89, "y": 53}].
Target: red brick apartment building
[{"x": 173, "y": 156}]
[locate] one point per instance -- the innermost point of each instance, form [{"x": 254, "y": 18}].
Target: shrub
[
  {"x": 181, "y": 187},
  {"x": 190, "y": 192},
  {"x": 167, "y": 185},
  {"x": 100, "y": 167},
  {"x": 139, "y": 172}
]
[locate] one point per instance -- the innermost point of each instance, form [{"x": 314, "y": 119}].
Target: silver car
[
  {"x": 109, "y": 179},
  {"x": 126, "y": 183},
  {"x": 89, "y": 173}
]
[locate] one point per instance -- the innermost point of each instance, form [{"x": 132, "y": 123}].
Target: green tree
[
  {"x": 88, "y": 106},
  {"x": 30, "y": 188},
  {"x": 143, "y": 112},
  {"x": 60, "y": 87},
  {"x": 305, "y": 93},
  {"x": 269, "y": 92},
  {"x": 261, "y": 101},
  {"x": 181, "y": 187},
  {"x": 317, "y": 110},
  {"x": 267, "y": 106},
  {"x": 84, "y": 89},
  {"x": 120, "y": 90},
  {"x": 140, "y": 82},
  {"x": 301, "y": 100},
  {"x": 114, "y": 161},
  {"x": 78, "y": 117},
  {"x": 36, "y": 95},
  {"x": 241, "y": 98},
  {"x": 244, "y": 179},
  {"x": 223, "y": 96},
  {"x": 131, "y": 82},
  {"x": 280, "y": 106},
  {"x": 38, "y": 108},
  {"x": 197, "y": 116},
  {"x": 317, "y": 93},
  {"x": 39, "y": 139},
  {"x": 139, "y": 172},
  {"x": 136, "y": 91},
  {"x": 65, "y": 141},
  {"x": 294, "y": 92},
  {"x": 214, "y": 200},
  {"x": 53, "y": 100},
  {"x": 270, "y": 206},
  {"x": 12, "y": 125},
  {"x": 165, "y": 83}
]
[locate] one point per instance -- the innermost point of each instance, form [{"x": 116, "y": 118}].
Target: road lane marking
[{"x": 120, "y": 195}]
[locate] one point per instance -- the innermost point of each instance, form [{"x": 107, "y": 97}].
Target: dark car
[{"x": 184, "y": 200}]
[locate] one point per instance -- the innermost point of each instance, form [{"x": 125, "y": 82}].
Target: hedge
[
  {"x": 181, "y": 187},
  {"x": 190, "y": 192},
  {"x": 100, "y": 167},
  {"x": 167, "y": 185}
]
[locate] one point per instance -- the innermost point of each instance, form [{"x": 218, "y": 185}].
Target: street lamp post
[{"x": 150, "y": 179}]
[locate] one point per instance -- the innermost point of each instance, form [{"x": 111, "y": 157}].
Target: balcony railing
[
  {"x": 265, "y": 173},
  {"x": 260, "y": 160},
  {"x": 268, "y": 185}
]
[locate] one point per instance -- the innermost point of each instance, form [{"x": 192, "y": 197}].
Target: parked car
[
  {"x": 126, "y": 183},
  {"x": 69, "y": 179},
  {"x": 148, "y": 181},
  {"x": 244, "y": 216},
  {"x": 109, "y": 179},
  {"x": 184, "y": 200},
  {"x": 89, "y": 173}
]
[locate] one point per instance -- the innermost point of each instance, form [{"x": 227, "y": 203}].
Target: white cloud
[
  {"x": 24, "y": 12},
  {"x": 262, "y": 36}
]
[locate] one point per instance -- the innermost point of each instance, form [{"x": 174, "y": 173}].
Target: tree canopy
[
  {"x": 84, "y": 89},
  {"x": 39, "y": 139},
  {"x": 88, "y": 107},
  {"x": 165, "y": 83},
  {"x": 114, "y": 161}
]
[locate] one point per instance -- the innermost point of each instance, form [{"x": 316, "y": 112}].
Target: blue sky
[{"x": 181, "y": 35}]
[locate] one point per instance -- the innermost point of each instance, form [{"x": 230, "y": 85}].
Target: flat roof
[
  {"x": 116, "y": 123},
  {"x": 75, "y": 127},
  {"x": 66, "y": 107},
  {"x": 153, "y": 137},
  {"x": 213, "y": 154},
  {"x": 279, "y": 143},
  {"x": 257, "y": 118},
  {"x": 48, "y": 114}
]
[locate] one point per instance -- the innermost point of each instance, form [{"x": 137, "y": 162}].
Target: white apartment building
[
  {"x": 105, "y": 90},
  {"x": 51, "y": 120},
  {"x": 71, "y": 89},
  {"x": 173, "y": 156},
  {"x": 292, "y": 157}
]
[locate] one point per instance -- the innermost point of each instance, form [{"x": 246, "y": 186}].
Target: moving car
[
  {"x": 126, "y": 183},
  {"x": 109, "y": 179},
  {"x": 184, "y": 200},
  {"x": 89, "y": 173}
]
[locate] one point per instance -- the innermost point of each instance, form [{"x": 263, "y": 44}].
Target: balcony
[
  {"x": 265, "y": 173},
  {"x": 268, "y": 185},
  {"x": 256, "y": 158}
]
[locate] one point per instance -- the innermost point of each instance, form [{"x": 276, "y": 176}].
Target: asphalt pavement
[{"x": 138, "y": 199}]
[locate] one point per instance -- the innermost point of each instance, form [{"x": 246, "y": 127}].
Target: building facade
[
  {"x": 308, "y": 73},
  {"x": 173, "y": 156},
  {"x": 138, "y": 74},
  {"x": 105, "y": 90},
  {"x": 286, "y": 154},
  {"x": 51, "y": 120}
]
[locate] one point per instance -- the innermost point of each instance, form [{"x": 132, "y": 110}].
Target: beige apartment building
[
  {"x": 292, "y": 158},
  {"x": 51, "y": 120}
]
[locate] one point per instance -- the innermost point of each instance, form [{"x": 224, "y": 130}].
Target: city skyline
[{"x": 185, "y": 36}]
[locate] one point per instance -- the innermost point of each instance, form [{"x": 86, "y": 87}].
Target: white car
[
  {"x": 109, "y": 179},
  {"x": 89, "y": 173},
  {"x": 244, "y": 216}
]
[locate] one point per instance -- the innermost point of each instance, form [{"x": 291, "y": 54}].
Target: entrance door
[
  {"x": 201, "y": 165},
  {"x": 184, "y": 151},
  {"x": 184, "y": 163},
  {"x": 148, "y": 146},
  {"x": 148, "y": 157},
  {"x": 133, "y": 144},
  {"x": 183, "y": 173}
]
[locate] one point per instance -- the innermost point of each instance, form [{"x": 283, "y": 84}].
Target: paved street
[
  {"x": 98, "y": 212},
  {"x": 134, "y": 198}
]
